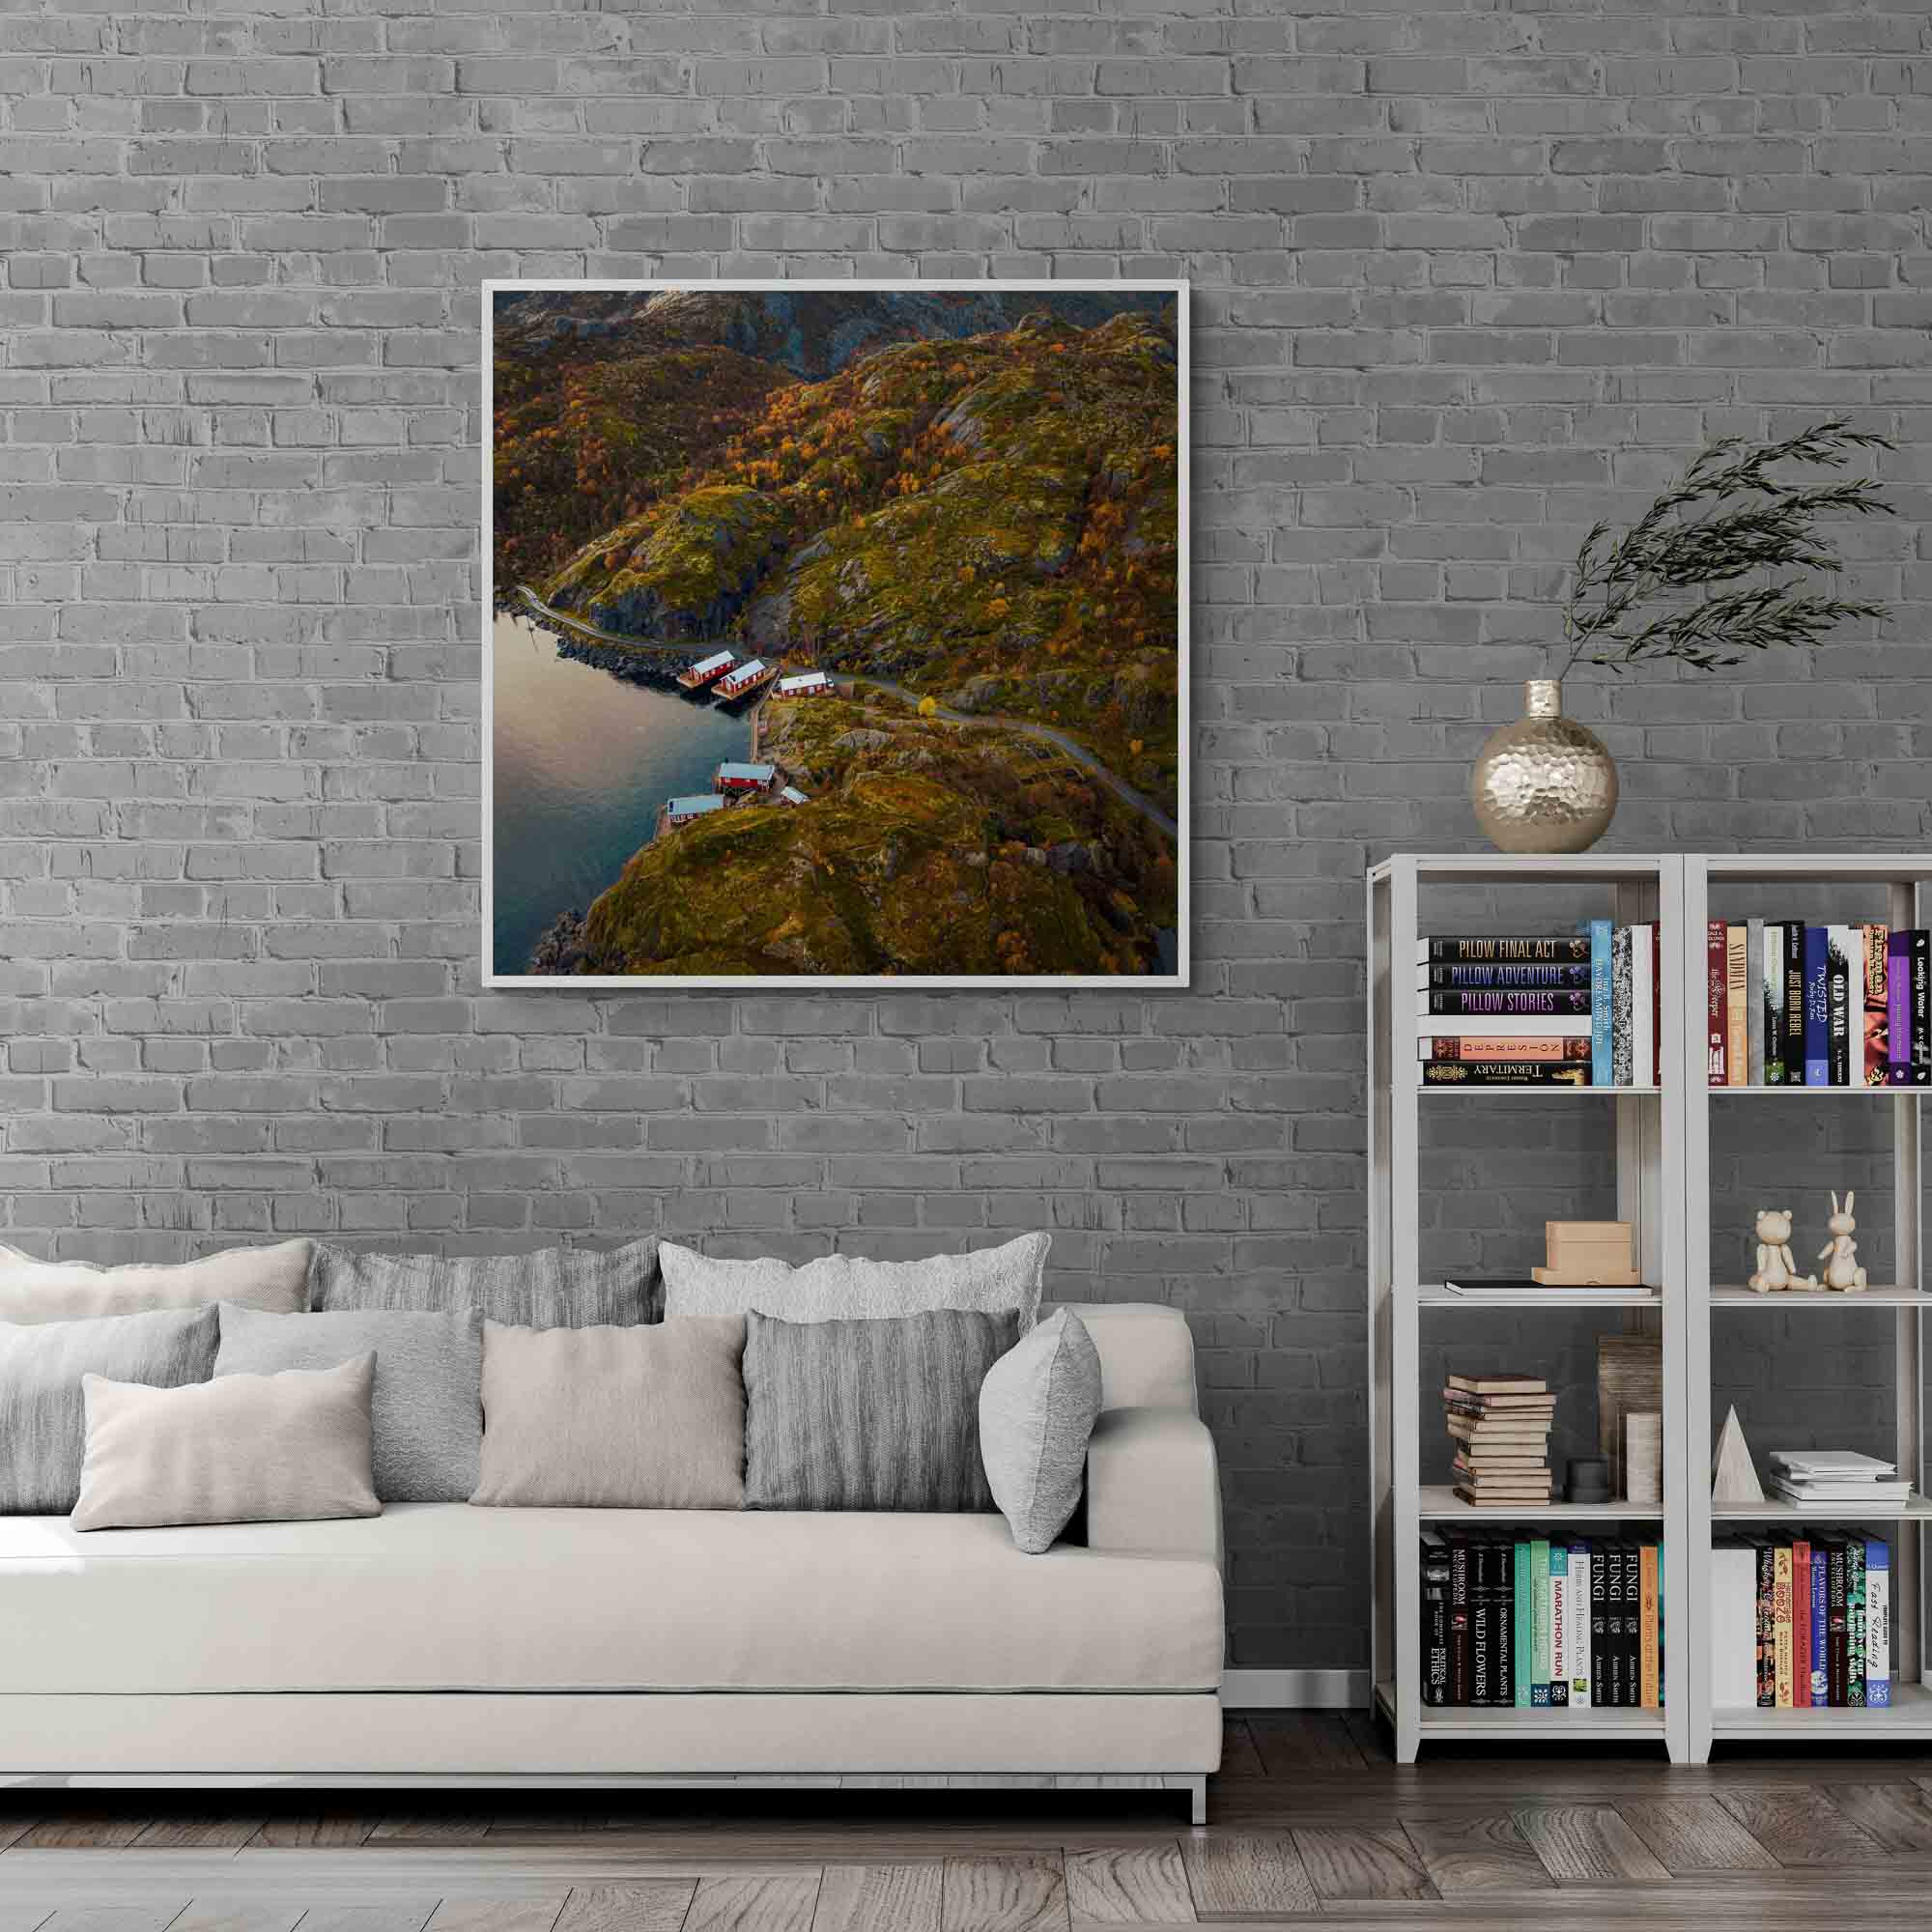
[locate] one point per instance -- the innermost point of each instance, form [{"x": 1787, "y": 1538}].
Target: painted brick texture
[{"x": 1465, "y": 279}]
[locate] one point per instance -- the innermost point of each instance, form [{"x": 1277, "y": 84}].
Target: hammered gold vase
[{"x": 1544, "y": 784}]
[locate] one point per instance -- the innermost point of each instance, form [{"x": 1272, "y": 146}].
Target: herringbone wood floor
[{"x": 1311, "y": 1823}]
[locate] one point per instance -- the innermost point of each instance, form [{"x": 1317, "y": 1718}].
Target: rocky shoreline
[{"x": 561, "y": 950}]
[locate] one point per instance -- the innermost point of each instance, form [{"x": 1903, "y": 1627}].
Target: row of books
[
  {"x": 1574, "y": 1009},
  {"x": 1515, "y": 1620},
  {"x": 1790, "y": 1005},
  {"x": 1499, "y": 1431},
  {"x": 1801, "y": 1624}
]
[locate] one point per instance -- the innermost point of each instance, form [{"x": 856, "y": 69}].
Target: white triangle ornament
[{"x": 1733, "y": 1475}]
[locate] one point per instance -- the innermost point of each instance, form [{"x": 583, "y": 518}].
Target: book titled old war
[{"x": 1818, "y": 1006}]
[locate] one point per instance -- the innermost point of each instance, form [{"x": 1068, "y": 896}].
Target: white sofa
[{"x": 445, "y": 1644}]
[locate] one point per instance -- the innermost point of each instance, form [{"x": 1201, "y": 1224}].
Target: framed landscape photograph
[{"x": 836, "y": 634}]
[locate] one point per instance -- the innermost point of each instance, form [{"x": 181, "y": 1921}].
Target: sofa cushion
[
  {"x": 438, "y": 1596},
  {"x": 844, "y": 1287},
  {"x": 615, "y": 1418},
  {"x": 273, "y": 1277},
  {"x": 553, "y": 1288},
  {"x": 1036, "y": 1409},
  {"x": 868, "y": 1415},
  {"x": 42, "y": 1409},
  {"x": 281, "y": 1448},
  {"x": 427, "y": 1406}
]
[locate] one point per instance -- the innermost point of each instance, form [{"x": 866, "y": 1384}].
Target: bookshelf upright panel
[{"x": 1730, "y": 887}]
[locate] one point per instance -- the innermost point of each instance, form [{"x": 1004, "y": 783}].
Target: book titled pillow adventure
[{"x": 1791, "y": 1005}]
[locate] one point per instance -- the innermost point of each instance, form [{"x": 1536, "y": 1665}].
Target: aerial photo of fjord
[{"x": 835, "y": 632}]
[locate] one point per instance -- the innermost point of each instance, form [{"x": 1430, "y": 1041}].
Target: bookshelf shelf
[
  {"x": 1437, "y": 1503},
  {"x": 1645, "y": 1124},
  {"x": 1817, "y": 1092},
  {"x": 1434, "y": 1294},
  {"x": 1915, "y": 1509},
  {"x": 1907, "y": 1717},
  {"x": 1542, "y": 1724},
  {"x": 1887, "y": 1296}
]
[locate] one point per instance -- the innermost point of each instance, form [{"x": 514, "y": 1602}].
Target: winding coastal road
[{"x": 1079, "y": 753}]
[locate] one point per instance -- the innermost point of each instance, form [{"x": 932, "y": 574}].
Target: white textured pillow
[
  {"x": 841, "y": 1288},
  {"x": 1038, "y": 1408},
  {"x": 273, "y": 1278},
  {"x": 294, "y": 1447}
]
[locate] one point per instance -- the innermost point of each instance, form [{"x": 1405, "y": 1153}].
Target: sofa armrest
[
  {"x": 1147, "y": 1354},
  {"x": 1153, "y": 1485}
]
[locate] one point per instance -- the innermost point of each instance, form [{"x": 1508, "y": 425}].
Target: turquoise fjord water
[{"x": 582, "y": 761}]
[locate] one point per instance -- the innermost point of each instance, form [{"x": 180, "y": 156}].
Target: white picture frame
[{"x": 494, "y": 976}]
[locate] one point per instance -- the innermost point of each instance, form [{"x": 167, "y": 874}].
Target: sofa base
[{"x": 747, "y": 1739}]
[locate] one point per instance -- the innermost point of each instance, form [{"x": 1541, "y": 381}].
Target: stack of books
[
  {"x": 1508, "y": 1618},
  {"x": 1566, "y": 1009},
  {"x": 1791, "y": 1005},
  {"x": 1499, "y": 1427},
  {"x": 1802, "y": 1622},
  {"x": 1838, "y": 1476}
]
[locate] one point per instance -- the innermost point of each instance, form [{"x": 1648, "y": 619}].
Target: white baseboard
[{"x": 1294, "y": 1690}]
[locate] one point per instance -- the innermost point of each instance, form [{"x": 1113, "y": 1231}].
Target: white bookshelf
[
  {"x": 1888, "y": 889},
  {"x": 1647, "y": 1121},
  {"x": 1663, "y": 1138}
]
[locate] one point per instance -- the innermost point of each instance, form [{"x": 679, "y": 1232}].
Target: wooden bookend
[{"x": 1733, "y": 1474}]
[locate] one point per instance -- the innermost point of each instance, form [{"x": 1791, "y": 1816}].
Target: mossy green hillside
[
  {"x": 584, "y": 441},
  {"x": 925, "y": 848}
]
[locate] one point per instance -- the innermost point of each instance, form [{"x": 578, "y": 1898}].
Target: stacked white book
[{"x": 1838, "y": 1476}]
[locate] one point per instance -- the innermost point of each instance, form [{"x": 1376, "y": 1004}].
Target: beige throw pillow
[
  {"x": 275, "y": 1278},
  {"x": 615, "y": 1418},
  {"x": 293, "y": 1447}
]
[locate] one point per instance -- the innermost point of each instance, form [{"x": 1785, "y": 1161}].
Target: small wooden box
[{"x": 1592, "y": 1253}]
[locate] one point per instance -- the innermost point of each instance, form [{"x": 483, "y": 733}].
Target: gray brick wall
[{"x": 1466, "y": 278}]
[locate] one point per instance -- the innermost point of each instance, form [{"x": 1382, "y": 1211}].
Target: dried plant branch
[{"x": 1728, "y": 516}]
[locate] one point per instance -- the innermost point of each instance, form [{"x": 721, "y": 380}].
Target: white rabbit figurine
[
  {"x": 1840, "y": 1255},
  {"x": 1777, "y": 1271}
]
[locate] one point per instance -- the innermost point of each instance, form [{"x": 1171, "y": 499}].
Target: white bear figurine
[{"x": 1777, "y": 1270}]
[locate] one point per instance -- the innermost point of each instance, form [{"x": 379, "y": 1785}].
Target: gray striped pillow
[
  {"x": 555, "y": 1288},
  {"x": 871, "y": 1414},
  {"x": 43, "y": 1411}
]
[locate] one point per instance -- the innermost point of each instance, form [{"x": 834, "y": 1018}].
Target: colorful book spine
[
  {"x": 1559, "y": 1625},
  {"x": 1876, "y": 1026},
  {"x": 1434, "y": 1623},
  {"x": 1463, "y": 1003},
  {"x": 1505, "y": 1073},
  {"x": 1898, "y": 1010},
  {"x": 1754, "y": 1044},
  {"x": 1553, "y": 1049},
  {"x": 1772, "y": 989},
  {"x": 1602, "y": 1002},
  {"x": 1650, "y": 1683},
  {"x": 1737, "y": 1009},
  {"x": 1878, "y": 1624},
  {"x": 1820, "y": 1623},
  {"x": 1781, "y": 1650},
  {"x": 1511, "y": 949},
  {"x": 1714, "y": 1007},
  {"x": 1767, "y": 1627},
  {"x": 1503, "y": 1590},
  {"x": 1922, "y": 1005},
  {"x": 1801, "y": 1625},
  {"x": 1794, "y": 1002},
  {"x": 1615, "y": 1656},
  {"x": 1845, "y": 967},
  {"x": 1817, "y": 1008},
  {"x": 1519, "y": 1605},
  {"x": 1481, "y": 1624},
  {"x": 1508, "y": 979},
  {"x": 1600, "y": 1624},
  {"x": 1458, "y": 1623},
  {"x": 1854, "y": 1623},
  {"x": 1643, "y": 1003},
  {"x": 1538, "y": 1622},
  {"x": 1837, "y": 1632},
  {"x": 1583, "y": 1614},
  {"x": 1623, "y": 1009}
]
